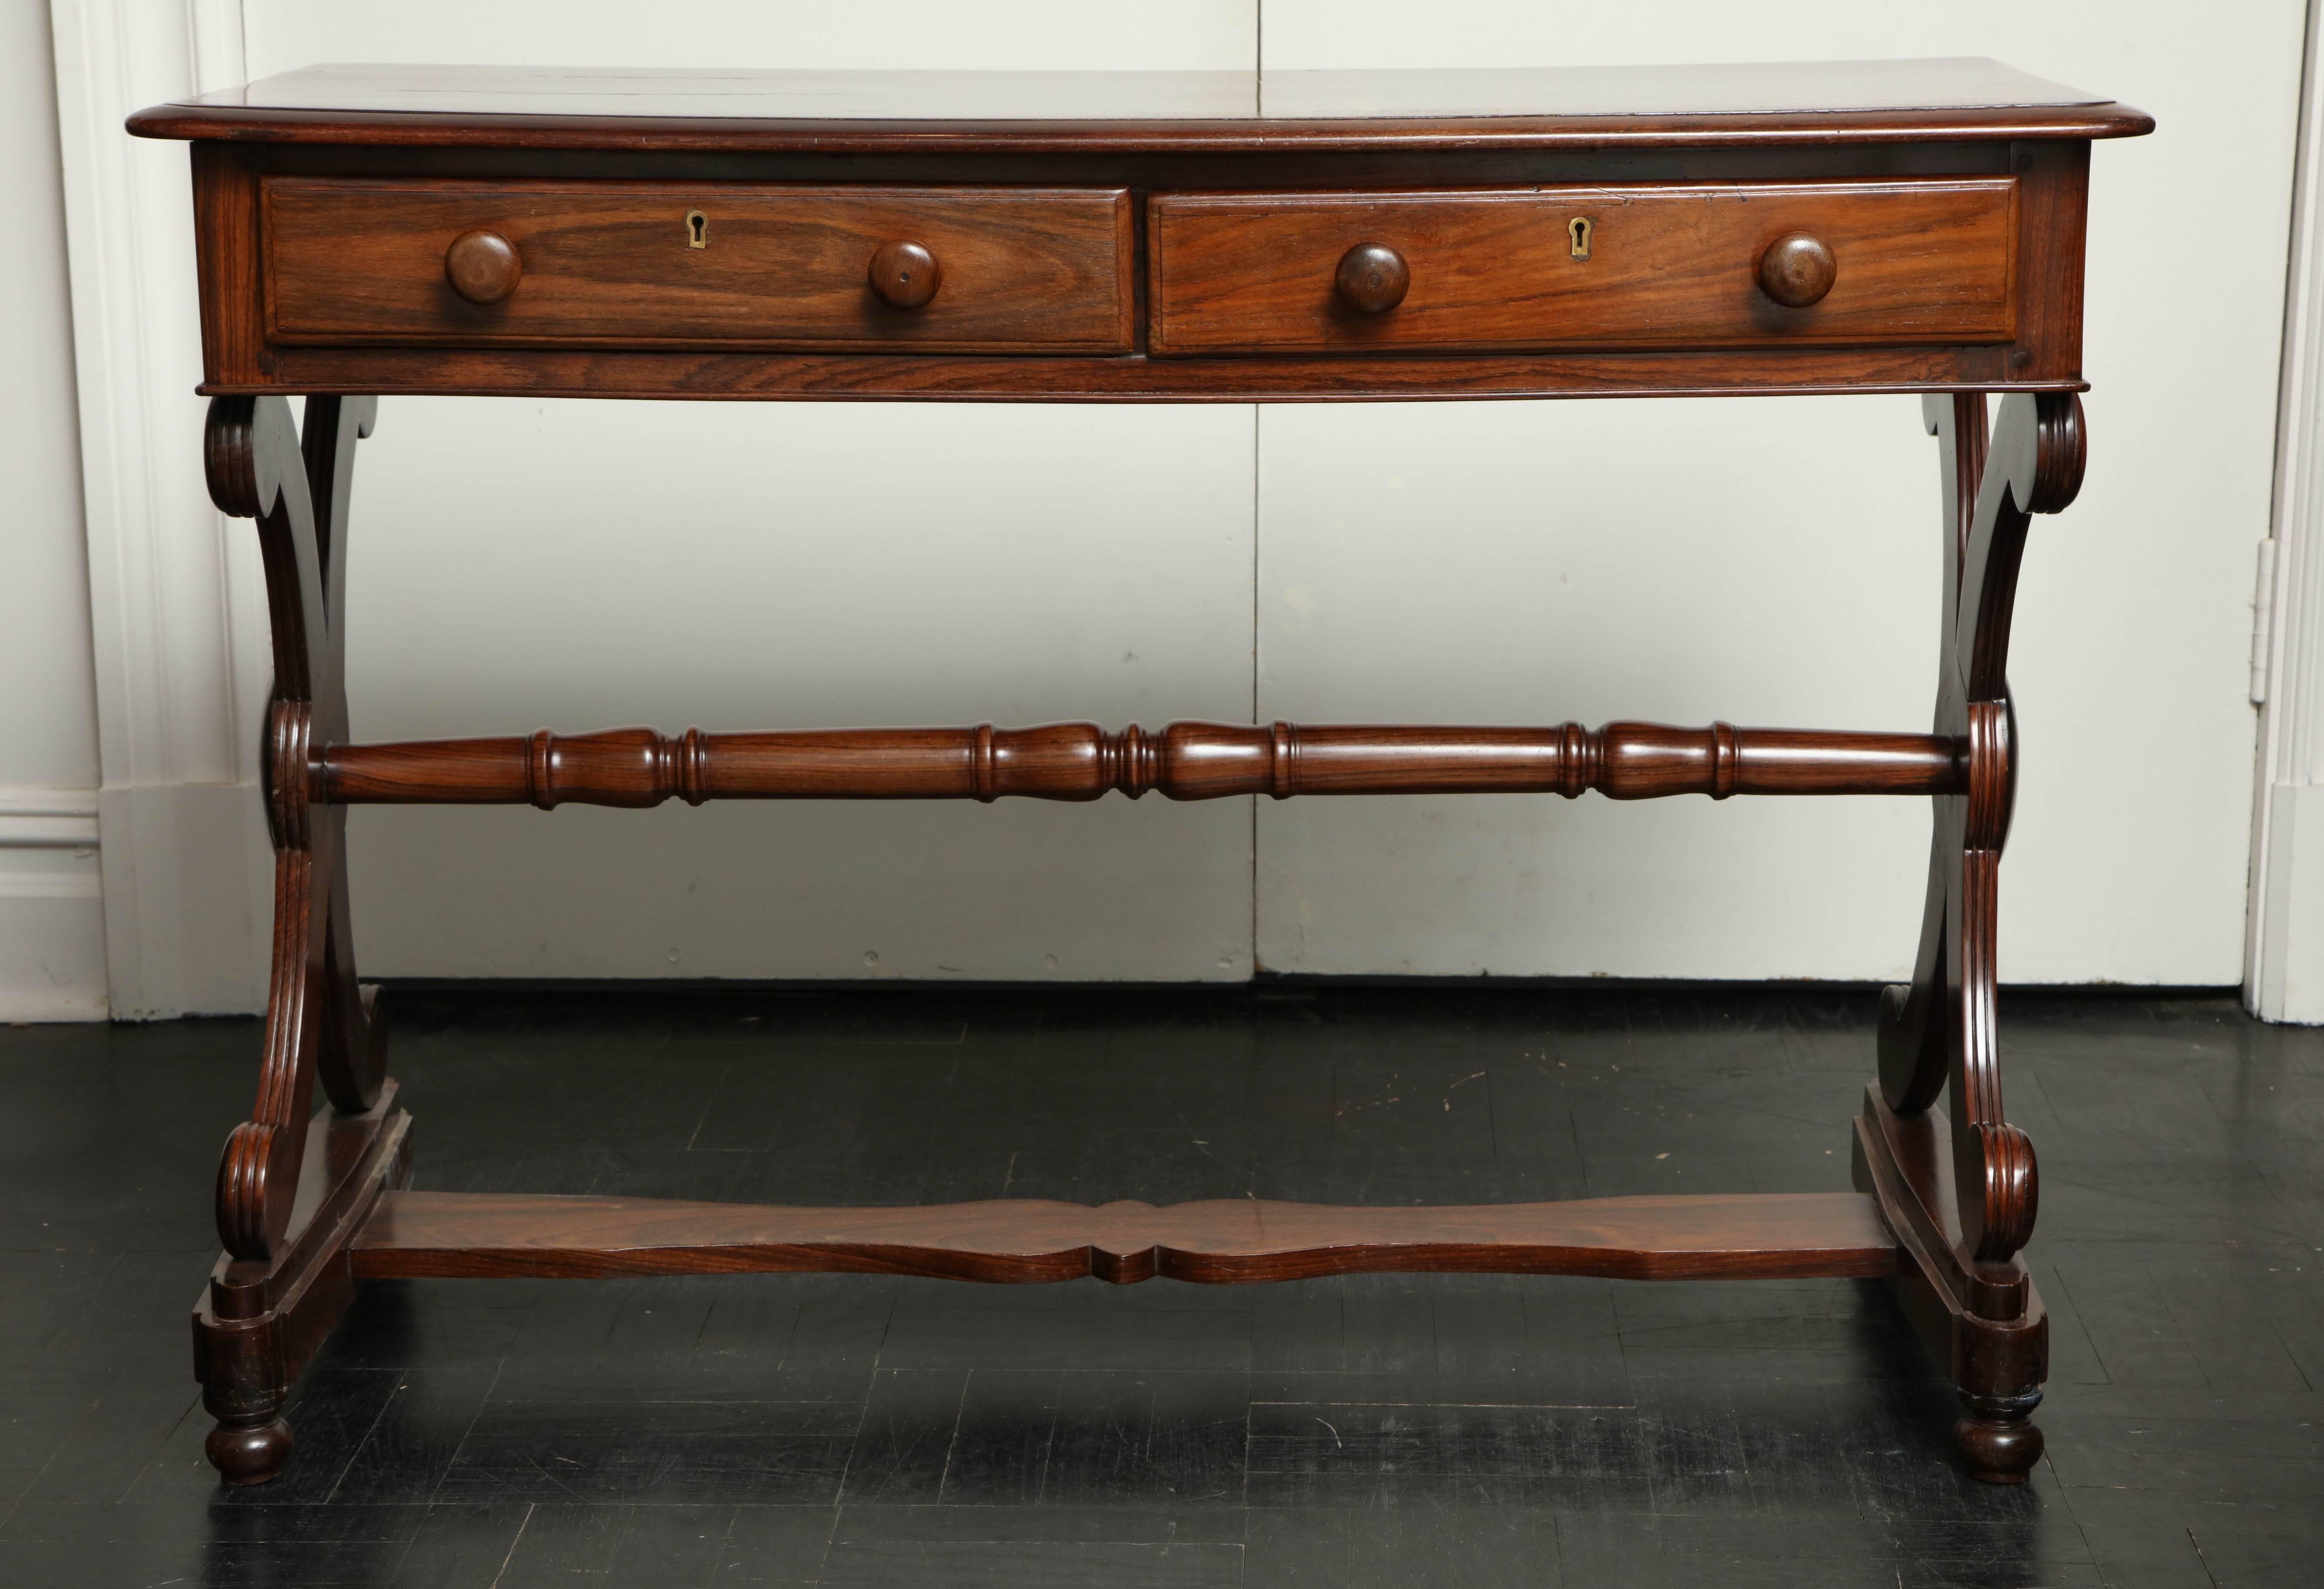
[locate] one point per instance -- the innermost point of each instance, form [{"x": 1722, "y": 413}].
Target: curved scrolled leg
[
  {"x": 320, "y": 1023},
  {"x": 257, "y": 470},
  {"x": 1970, "y": 1188},
  {"x": 1941, "y": 1030}
]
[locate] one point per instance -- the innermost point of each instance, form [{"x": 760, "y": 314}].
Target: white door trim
[
  {"x": 175, "y": 599},
  {"x": 2284, "y": 956}
]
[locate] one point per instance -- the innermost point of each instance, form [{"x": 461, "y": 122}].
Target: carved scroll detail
[
  {"x": 1939, "y": 1034},
  {"x": 638, "y": 767},
  {"x": 318, "y": 1022}
]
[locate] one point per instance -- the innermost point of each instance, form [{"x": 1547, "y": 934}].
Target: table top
[{"x": 1805, "y": 102}]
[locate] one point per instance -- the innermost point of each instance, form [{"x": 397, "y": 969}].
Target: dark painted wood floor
[{"x": 1407, "y": 1430}]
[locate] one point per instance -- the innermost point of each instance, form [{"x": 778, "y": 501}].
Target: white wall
[
  {"x": 732, "y": 566},
  {"x": 521, "y": 564},
  {"x": 52, "y": 921}
]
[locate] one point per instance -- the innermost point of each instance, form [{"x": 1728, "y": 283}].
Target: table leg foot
[
  {"x": 257, "y": 1324},
  {"x": 1997, "y": 1438},
  {"x": 1983, "y": 1324},
  {"x": 249, "y": 1450}
]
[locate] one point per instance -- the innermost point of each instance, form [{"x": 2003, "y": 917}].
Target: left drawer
[{"x": 356, "y": 262}]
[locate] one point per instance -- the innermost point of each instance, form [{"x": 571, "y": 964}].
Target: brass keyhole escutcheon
[
  {"x": 1578, "y": 230},
  {"x": 698, "y": 229}
]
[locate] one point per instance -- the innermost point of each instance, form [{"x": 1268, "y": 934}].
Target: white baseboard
[
  {"x": 51, "y": 953},
  {"x": 187, "y": 887},
  {"x": 51, "y": 909}
]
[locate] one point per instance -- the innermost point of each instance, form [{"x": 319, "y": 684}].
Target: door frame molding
[
  {"x": 2284, "y": 952},
  {"x": 176, "y": 603}
]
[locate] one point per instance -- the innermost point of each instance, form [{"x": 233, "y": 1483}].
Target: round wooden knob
[
  {"x": 1797, "y": 270},
  {"x": 1373, "y": 278},
  {"x": 905, "y": 275},
  {"x": 483, "y": 266}
]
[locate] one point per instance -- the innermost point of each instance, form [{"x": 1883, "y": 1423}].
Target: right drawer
[{"x": 1649, "y": 266}]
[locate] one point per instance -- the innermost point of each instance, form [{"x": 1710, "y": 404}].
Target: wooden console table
[{"x": 1891, "y": 226}]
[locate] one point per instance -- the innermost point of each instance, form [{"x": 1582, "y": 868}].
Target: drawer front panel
[
  {"x": 1651, "y": 265},
  {"x": 362, "y": 262}
]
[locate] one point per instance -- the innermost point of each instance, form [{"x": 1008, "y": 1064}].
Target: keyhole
[
  {"x": 698, "y": 229},
  {"x": 1579, "y": 228}
]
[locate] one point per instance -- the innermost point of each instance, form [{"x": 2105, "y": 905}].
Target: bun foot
[
  {"x": 248, "y": 1452},
  {"x": 2001, "y": 1445}
]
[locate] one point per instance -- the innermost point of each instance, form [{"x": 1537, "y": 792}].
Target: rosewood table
[{"x": 1884, "y": 226}]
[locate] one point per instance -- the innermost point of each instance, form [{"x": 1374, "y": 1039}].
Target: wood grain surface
[
  {"x": 362, "y": 262},
  {"x": 853, "y": 112},
  {"x": 876, "y": 376},
  {"x": 243, "y": 356},
  {"x": 639, "y": 767},
  {"x": 1669, "y": 263},
  {"x": 418, "y": 1234}
]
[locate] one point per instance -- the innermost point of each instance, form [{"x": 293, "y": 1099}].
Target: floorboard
[{"x": 1389, "y": 1428}]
